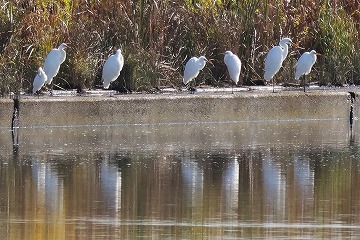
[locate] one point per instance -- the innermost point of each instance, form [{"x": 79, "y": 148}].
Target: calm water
[{"x": 274, "y": 180}]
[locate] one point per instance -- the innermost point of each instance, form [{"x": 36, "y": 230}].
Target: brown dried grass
[{"x": 158, "y": 37}]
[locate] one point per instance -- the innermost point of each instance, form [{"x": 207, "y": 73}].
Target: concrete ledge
[
  {"x": 176, "y": 108},
  {"x": 6, "y": 111}
]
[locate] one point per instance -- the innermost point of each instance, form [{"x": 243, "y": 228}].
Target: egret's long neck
[
  {"x": 202, "y": 63},
  {"x": 62, "y": 51},
  {"x": 285, "y": 51},
  {"x": 62, "y": 54},
  {"x": 117, "y": 54}
]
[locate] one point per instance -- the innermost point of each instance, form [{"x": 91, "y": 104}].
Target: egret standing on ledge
[
  {"x": 304, "y": 64},
  {"x": 112, "y": 68},
  {"x": 193, "y": 67},
  {"x": 39, "y": 80},
  {"x": 53, "y": 61},
  {"x": 233, "y": 64},
  {"x": 275, "y": 58}
]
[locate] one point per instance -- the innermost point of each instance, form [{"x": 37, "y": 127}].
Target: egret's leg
[
  {"x": 192, "y": 89},
  {"x": 273, "y": 80},
  {"x": 304, "y": 83},
  {"x": 52, "y": 88}
]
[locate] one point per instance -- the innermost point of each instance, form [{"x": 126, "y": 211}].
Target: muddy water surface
[{"x": 278, "y": 180}]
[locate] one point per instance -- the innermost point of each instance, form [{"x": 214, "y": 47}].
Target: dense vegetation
[{"x": 158, "y": 37}]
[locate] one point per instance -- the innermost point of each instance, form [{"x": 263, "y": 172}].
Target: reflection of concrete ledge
[{"x": 176, "y": 108}]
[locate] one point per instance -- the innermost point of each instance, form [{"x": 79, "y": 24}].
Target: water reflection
[
  {"x": 245, "y": 180},
  {"x": 274, "y": 184}
]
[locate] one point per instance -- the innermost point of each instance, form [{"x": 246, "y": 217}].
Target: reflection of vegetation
[
  {"x": 122, "y": 162},
  {"x": 158, "y": 36},
  {"x": 335, "y": 183},
  {"x": 151, "y": 185}
]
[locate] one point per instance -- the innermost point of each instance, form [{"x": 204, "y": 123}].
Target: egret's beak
[
  {"x": 297, "y": 46},
  {"x": 318, "y": 54},
  {"x": 210, "y": 61}
]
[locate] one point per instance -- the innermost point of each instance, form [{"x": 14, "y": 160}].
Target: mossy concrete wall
[
  {"x": 176, "y": 108},
  {"x": 6, "y": 111}
]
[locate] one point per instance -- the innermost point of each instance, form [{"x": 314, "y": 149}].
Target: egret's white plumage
[
  {"x": 193, "y": 67},
  {"x": 305, "y": 63},
  {"x": 39, "y": 80},
  {"x": 275, "y": 58},
  {"x": 233, "y": 64},
  {"x": 53, "y": 61},
  {"x": 112, "y": 68}
]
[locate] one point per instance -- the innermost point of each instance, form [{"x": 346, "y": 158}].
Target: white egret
[
  {"x": 39, "y": 80},
  {"x": 233, "y": 64},
  {"x": 112, "y": 68},
  {"x": 53, "y": 61},
  {"x": 304, "y": 64},
  {"x": 193, "y": 67},
  {"x": 275, "y": 58}
]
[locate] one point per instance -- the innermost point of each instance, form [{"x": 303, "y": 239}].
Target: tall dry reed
[{"x": 158, "y": 37}]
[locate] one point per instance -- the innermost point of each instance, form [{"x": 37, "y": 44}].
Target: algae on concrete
[{"x": 178, "y": 108}]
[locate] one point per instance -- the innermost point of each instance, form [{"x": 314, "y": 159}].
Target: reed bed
[{"x": 158, "y": 37}]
